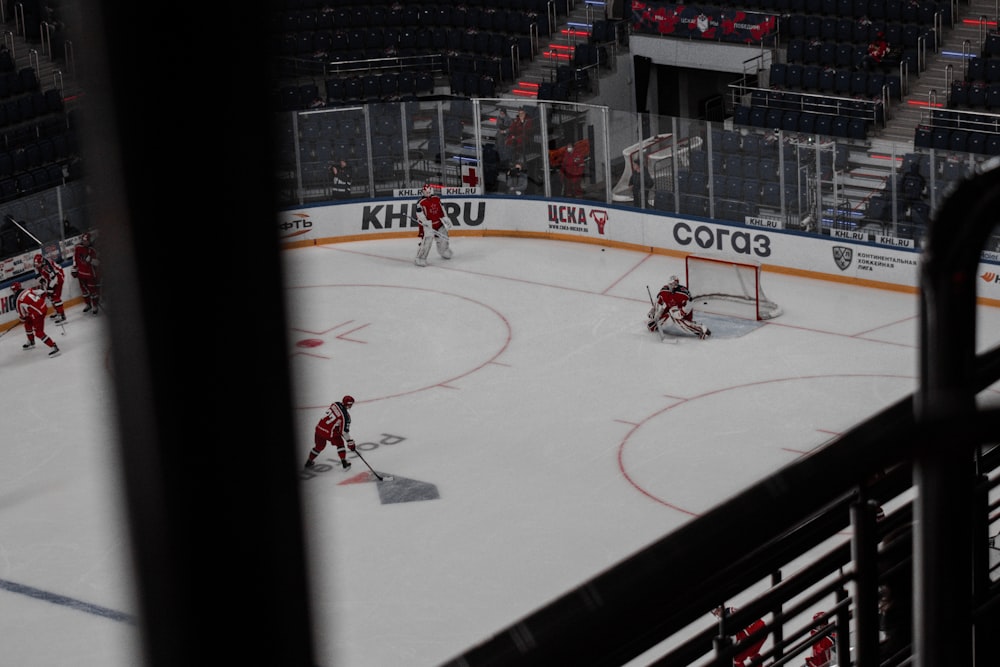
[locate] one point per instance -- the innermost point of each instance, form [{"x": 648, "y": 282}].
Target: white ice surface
[{"x": 536, "y": 434}]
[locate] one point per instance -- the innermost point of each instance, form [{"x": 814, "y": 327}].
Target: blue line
[{"x": 39, "y": 594}]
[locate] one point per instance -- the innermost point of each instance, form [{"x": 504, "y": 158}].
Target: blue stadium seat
[
  {"x": 922, "y": 137},
  {"x": 776, "y": 75},
  {"x": 958, "y": 141},
  {"x": 741, "y": 115},
  {"x": 793, "y": 76},
  {"x": 824, "y": 124},
  {"x": 940, "y": 138},
  {"x": 857, "y": 129},
  {"x": 807, "y": 122},
  {"x": 977, "y": 143}
]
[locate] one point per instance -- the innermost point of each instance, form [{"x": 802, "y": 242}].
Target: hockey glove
[{"x": 350, "y": 445}]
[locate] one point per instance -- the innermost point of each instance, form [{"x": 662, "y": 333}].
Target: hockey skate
[
  {"x": 54, "y": 351},
  {"x": 87, "y": 309},
  {"x": 705, "y": 333},
  {"x": 28, "y": 346},
  {"x": 60, "y": 318},
  {"x": 310, "y": 464},
  {"x": 346, "y": 464}
]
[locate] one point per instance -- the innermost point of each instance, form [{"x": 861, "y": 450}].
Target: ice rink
[{"x": 534, "y": 431}]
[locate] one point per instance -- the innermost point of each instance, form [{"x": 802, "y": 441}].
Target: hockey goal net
[{"x": 729, "y": 287}]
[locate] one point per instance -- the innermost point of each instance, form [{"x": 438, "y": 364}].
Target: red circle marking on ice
[{"x": 309, "y": 342}]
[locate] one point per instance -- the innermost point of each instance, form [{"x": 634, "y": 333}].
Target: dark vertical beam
[
  {"x": 943, "y": 466},
  {"x": 864, "y": 550},
  {"x": 177, "y": 146}
]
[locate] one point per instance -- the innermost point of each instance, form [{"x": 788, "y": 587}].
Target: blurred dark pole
[{"x": 177, "y": 146}]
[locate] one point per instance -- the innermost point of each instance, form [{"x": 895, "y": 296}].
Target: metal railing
[{"x": 737, "y": 173}]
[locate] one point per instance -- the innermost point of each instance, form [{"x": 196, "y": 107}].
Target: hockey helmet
[
  {"x": 38, "y": 260},
  {"x": 348, "y": 401},
  {"x": 16, "y": 288},
  {"x": 85, "y": 238}
]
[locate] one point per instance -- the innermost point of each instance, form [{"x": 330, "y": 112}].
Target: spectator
[
  {"x": 751, "y": 650},
  {"x": 641, "y": 181},
  {"x": 517, "y": 180},
  {"x": 340, "y": 173},
  {"x": 878, "y": 48},
  {"x": 913, "y": 183},
  {"x": 503, "y": 126},
  {"x": 69, "y": 230},
  {"x": 518, "y": 135}
]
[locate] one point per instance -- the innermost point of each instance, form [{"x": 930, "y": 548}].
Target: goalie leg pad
[
  {"x": 685, "y": 323},
  {"x": 423, "y": 250},
  {"x": 442, "y": 247}
]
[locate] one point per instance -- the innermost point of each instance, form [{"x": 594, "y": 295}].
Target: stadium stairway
[
  {"x": 572, "y": 29},
  {"x": 931, "y": 87},
  {"x": 54, "y": 65}
]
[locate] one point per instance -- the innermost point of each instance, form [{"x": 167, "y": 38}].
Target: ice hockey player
[
  {"x": 750, "y": 653},
  {"x": 51, "y": 279},
  {"x": 822, "y": 650},
  {"x": 433, "y": 226},
  {"x": 673, "y": 309},
  {"x": 85, "y": 270},
  {"x": 335, "y": 428},
  {"x": 31, "y": 309}
]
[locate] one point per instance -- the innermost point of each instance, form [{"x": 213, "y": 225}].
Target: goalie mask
[
  {"x": 673, "y": 283},
  {"x": 428, "y": 189}
]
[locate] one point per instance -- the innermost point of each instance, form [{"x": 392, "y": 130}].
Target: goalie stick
[
  {"x": 663, "y": 335},
  {"x": 381, "y": 478},
  {"x": 429, "y": 227}
]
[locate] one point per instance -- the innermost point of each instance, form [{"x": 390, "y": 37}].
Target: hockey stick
[
  {"x": 4, "y": 333},
  {"x": 386, "y": 478},
  {"x": 659, "y": 329}
]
